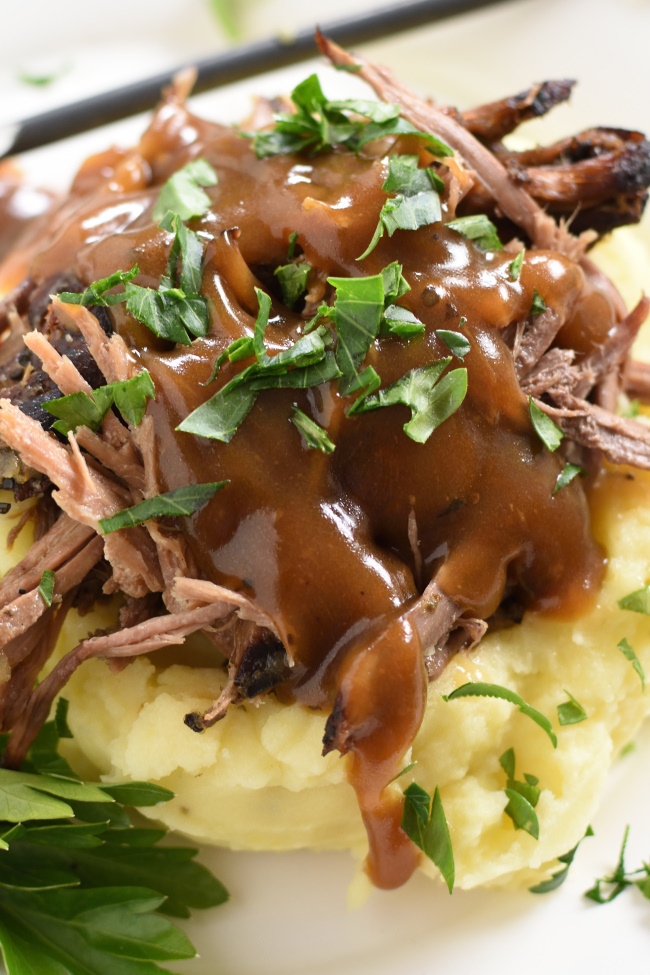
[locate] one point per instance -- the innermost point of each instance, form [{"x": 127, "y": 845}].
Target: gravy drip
[{"x": 321, "y": 543}]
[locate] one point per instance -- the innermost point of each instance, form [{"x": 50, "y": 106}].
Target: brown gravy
[{"x": 321, "y": 542}]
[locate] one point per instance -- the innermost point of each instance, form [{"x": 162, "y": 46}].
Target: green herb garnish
[
  {"x": 547, "y": 431},
  {"x": 630, "y": 655},
  {"x": 88, "y": 410},
  {"x": 183, "y": 501},
  {"x": 97, "y": 292},
  {"x": 522, "y": 796},
  {"x": 292, "y": 279},
  {"x": 176, "y": 310},
  {"x": 318, "y": 124},
  {"x": 416, "y": 202},
  {"x": 424, "y": 822},
  {"x": 46, "y": 586},
  {"x": 557, "y": 879},
  {"x": 571, "y": 711},
  {"x": 538, "y": 305},
  {"x": 495, "y": 690},
  {"x": 515, "y": 266},
  {"x": 456, "y": 342},
  {"x": 315, "y": 436},
  {"x": 607, "y": 888},
  {"x": 183, "y": 194},
  {"x": 637, "y": 601},
  {"x": 566, "y": 475},
  {"x": 479, "y": 229},
  {"x": 432, "y": 400},
  {"x": 81, "y": 889},
  {"x": 308, "y": 362}
]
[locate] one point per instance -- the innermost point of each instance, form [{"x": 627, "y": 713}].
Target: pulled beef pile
[{"x": 341, "y": 579}]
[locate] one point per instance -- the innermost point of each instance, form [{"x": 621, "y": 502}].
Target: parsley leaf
[
  {"x": 172, "y": 504},
  {"x": 571, "y": 712},
  {"x": 538, "y": 305},
  {"x": 637, "y": 601},
  {"x": 566, "y": 475},
  {"x": 81, "y": 409},
  {"x": 479, "y": 229},
  {"x": 607, "y": 888},
  {"x": 319, "y": 124},
  {"x": 432, "y": 400},
  {"x": 456, "y": 342},
  {"x": 424, "y": 822},
  {"x": 522, "y": 796},
  {"x": 97, "y": 292},
  {"x": 402, "y": 322},
  {"x": 183, "y": 193},
  {"x": 557, "y": 879},
  {"x": 515, "y": 266},
  {"x": 630, "y": 655},
  {"x": 479, "y": 689},
  {"x": 46, "y": 587},
  {"x": 547, "y": 431},
  {"x": 315, "y": 436},
  {"x": 416, "y": 203},
  {"x": 308, "y": 362},
  {"x": 293, "y": 281},
  {"x": 79, "y": 884},
  {"x": 356, "y": 314}
]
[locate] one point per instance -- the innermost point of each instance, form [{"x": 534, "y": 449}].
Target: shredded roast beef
[{"x": 52, "y": 349}]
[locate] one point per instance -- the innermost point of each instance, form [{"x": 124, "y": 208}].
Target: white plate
[{"x": 287, "y": 914}]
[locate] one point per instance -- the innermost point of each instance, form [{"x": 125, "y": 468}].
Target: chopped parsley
[
  {"x": 46, "y": 587},
  {"x": 557, "y": 879},
  {"x": 308, "y": 362},
  {"x": 607, "y": 888},
  {"x": 183, "y": 193},
  {"x": 566, "y": 475},
  {"x": 98, "y": 293},
  {"x": 538, "y": 305},
  {"x": 424, "y": 822},
  {"x": 477, "y": 689},
  {"x": 630, "y": 655},
  {"x": 292, "y": 279},
  {"x": 515, "y": 266},
  {"x": 571, "y": 711},
  {"x": 88, "y": 410},
  {"x": 456, "y": 342},
  {"x": 318, "y": 124},
  {"x": 416, "y": 202},
  {"x": 176, "y": 310},
  {"x": 315, "y": 437},
  {"x": 637, "y": 601},
  {"x": 182, "y": 501},
  {"x": 479, "y": 229},
  {"x": 547, "y": 431},
  {"x": 432, "y": 400},
  {"x": 522, "y": 796}
]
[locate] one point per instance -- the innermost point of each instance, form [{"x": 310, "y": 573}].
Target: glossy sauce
[{"x": 321, "y": 542}]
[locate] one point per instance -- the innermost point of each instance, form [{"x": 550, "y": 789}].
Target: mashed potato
[{"x": 257, "y": 779}]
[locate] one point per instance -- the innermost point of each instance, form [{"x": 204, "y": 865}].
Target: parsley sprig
[
  {"x": 81, "y": 409},
  {"x": 81, "y": 889},
  {"x": 319, "y": 124},
  {"x": 522, "y": 796},
  {"x": 607, "y": 888},
  {"x": 308, "y": 362},
  {"x": 416, "y": 200},
  {"x": 176, "y": 310},
  {"x": 424, "y": 822}
]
